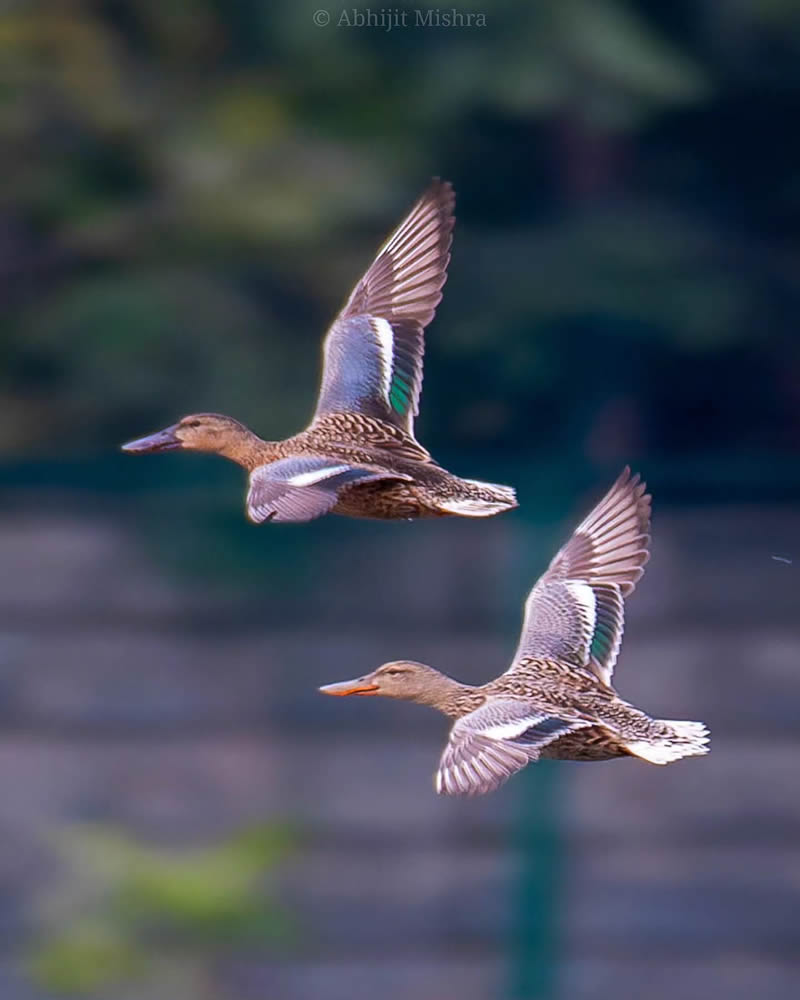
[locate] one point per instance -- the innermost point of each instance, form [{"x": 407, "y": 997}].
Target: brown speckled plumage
[
  {"x": 359, "y": 455},
  {"x": 556, "y": 699}
]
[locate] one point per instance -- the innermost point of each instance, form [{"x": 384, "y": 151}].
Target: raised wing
[
  {"x": 373, "y": 351},
  {"x": 575, "y": 612},
  {"x": 490, "y": 744},
  {"x": 304, "y": 487}
]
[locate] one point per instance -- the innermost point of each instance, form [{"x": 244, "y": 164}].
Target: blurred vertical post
[
  {"x": 539, "y": 846},
  {"x": 537, "y": 835}
]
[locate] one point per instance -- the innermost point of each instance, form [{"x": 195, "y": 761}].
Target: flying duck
[
  {"x": 359, "y": 455},
  {"x": 556, "y": 699}
]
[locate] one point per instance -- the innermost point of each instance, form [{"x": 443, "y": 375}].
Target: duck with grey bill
[
  {"x": 556, "y": 700},
  {"x": 359, "y": 455}
]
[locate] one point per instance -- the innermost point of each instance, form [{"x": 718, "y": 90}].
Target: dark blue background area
[{"x": 189, "y": 192}]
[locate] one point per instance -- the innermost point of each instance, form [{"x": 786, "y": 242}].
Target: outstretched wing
[
  {"x": 575, "y": 612},
  {"x": 373, "y": 351},
  {"x": 490, "y": 744},
  {"x": 304, "y": 487}
]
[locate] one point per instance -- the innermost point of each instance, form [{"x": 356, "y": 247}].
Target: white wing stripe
[
  {"x": 385, "y": 336},
  {"x": 316, "y": 475},
  {"x": 584, "y": 595},
  {"x": 509, "y": 730}
]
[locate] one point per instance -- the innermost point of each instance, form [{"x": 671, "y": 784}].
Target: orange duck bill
[
  {"x": 363, "y": 685},
  {"x": 166, "y": 440}
]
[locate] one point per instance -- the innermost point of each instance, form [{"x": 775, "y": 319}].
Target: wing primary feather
[
  {"x": 608, "y": 549},
  {"x": 401, "y": 288}
]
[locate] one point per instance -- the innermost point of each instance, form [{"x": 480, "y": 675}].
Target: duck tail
[
  {"x": 675, "y": 739},
  {"x": 477, "y": 499}
]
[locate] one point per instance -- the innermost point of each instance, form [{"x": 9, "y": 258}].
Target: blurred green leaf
[
  {"x": 85, "y": 960},
  {"x": 121, "y": 906}
]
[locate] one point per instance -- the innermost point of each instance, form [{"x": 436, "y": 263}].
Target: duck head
[
  {"x": 198, "y": 432},
  {"x": 403, "y": 679}
]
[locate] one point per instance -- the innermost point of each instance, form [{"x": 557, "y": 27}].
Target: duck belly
[
  {"x": 591, "y": 743},
  {"x": 433, "y": 493},
  {"x": 386, "y": 501}
]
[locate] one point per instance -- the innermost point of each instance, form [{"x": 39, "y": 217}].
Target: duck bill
[
  {"x": 166, "y": 440},
  {"x": 361, "y": 686}
]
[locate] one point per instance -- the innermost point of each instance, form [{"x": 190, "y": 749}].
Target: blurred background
[{"x": 189, "y": 191}]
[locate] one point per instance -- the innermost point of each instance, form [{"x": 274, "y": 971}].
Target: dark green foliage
[{"x": 190, "y": 190}]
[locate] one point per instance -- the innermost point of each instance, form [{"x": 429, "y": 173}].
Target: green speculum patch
[
  {"x": 601, "y": 643},
  {"x": 399, "y": 394}
]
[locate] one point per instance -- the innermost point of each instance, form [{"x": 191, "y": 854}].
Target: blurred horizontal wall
[{"x": 183, "y": 712}]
